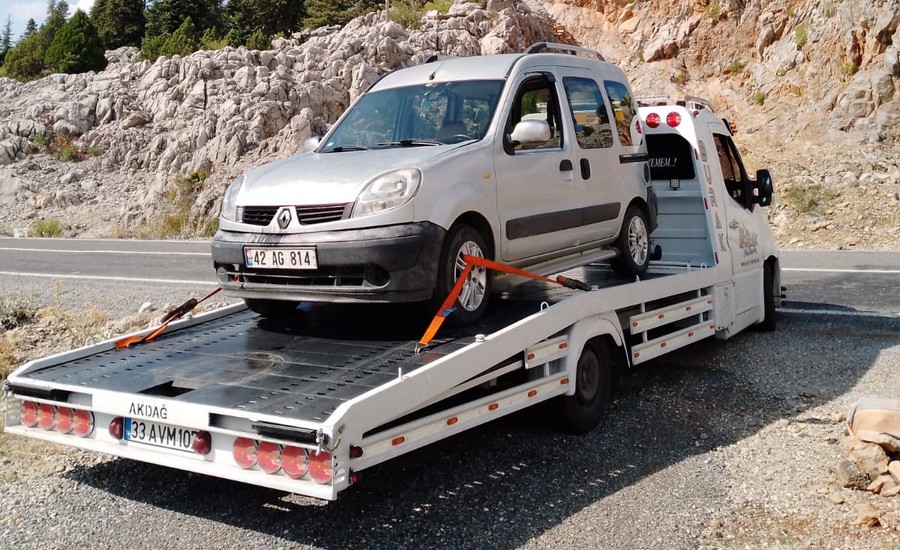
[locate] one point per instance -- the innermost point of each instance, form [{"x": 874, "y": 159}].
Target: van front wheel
[
  {"x": 633, "y": 244},
  {"x": 472, "y": 302}
]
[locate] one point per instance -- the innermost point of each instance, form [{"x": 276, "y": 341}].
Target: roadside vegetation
[
  {"x": 45, "y": 228},
  {"x": 809, "y": 199}
]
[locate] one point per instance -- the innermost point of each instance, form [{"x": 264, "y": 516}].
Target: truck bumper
[{"x": 385, "y": 264}]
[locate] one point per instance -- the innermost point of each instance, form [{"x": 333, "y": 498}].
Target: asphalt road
[{"x": 167, "y": 271}]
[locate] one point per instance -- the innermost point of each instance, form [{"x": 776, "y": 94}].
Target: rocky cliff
[{"x": 117, "y": 152}]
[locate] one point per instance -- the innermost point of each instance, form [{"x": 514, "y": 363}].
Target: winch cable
[
  {"x": 477, "y": 261},
  {"x": 173, "y": 315}
]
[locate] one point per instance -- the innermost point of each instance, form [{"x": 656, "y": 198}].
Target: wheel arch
[
  {"x": 478, "y": 222},
  {"x": 583, "y": 333}
]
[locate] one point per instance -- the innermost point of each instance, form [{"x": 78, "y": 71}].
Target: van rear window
[{"x": 671, "y": 157}]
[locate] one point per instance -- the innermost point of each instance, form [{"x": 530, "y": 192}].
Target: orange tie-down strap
[
  {"x": 173, "y": 315},
  {"x": 471, "y": 261}
]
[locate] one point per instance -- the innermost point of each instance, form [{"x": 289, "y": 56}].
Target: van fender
[
  {"x": 462, "y": 197},
  {"x": 582, "y": 332}
]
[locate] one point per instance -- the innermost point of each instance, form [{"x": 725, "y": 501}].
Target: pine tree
[
  {"x": 271, "y": 16},
  {"x": 259, "y": 41},
  {"x": 57, "y": 12},
  {"x": 30, "y": 28},
  {"x": 183, "y": 41},
  {"x": 26, "y": 61},
  {"x": 326, "y": 12},
  {"x": 164, "y": 17},
  {"x": 6, "y": 39},
  {"x": 119, "y": 22},
  {"x": 76, "y": 47}
]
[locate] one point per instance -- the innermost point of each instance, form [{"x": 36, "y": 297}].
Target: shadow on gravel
[{"x": 505, "y": 483}]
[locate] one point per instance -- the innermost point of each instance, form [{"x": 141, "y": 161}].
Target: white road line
[
  {"x": 101, "y": 278},
  {"x": 873, "y": 314},
  {"x": 829, "y": 270},
  {"x": 149, "y": 253}
]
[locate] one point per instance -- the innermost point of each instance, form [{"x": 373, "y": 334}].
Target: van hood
[{"x": 327, "y": 178}]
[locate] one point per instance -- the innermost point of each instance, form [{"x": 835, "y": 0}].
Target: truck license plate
[
  {"x": 161, "y": 435},
  {"x": 281, "y": 258}
]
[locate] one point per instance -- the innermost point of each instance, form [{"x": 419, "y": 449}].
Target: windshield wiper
[
  {"x": 409, "y": 143},
  {"x": 343, "y": 148}
]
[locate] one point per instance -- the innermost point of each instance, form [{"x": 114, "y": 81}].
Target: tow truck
[{"x": 307, "y": 406}]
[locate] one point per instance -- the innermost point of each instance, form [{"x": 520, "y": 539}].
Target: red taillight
[
  {"x": 63, "y": 420},
  {"x": 46, "y": 416},
  {"x": 29, "y": 414},
  {"x": 637, "y": 126},
  {"x": 268, "y": 456},
  {"x": 82, "y": 423},
  {"x": 117, "y": 427},
  {"x": 202, "y": 443},
  {"x": 321, "y": 468},
  {"x": 355, "y": 451},
  {"x": 653, "y": 120},
  {"x": 244, "y": 452},
  {"x": 294, "y": 462},
  {"x": 673, "y": 119}
]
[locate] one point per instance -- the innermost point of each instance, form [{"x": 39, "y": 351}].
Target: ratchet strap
[
  {"x": 477, "y": 261},
  {"x": 173, "y": 315}
]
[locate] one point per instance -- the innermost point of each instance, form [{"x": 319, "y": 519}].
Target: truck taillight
[
  {"x": 653, "y": 120},
  {"x": 202, "y": 443},
  {"x": 46, "y": 416},
  {"x": 321, "y": 467},
  {"x": 82, "y": 423},
  {"x": 294, "y": 462},
  {"x": 117, "y": 427},
  {"x": 28, "y": 415},
  {"x": 673, "y": 119},
  {"x": 268, "y": 456},
  {"x": 63, "y": 420},
  {"x": 244, "y": 452}
]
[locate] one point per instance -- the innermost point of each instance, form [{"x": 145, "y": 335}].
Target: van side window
[
  {"x": 736, "y": 181},
  {"x": 589, "y": 114},
  {"x": 537, "y": 100},
  {"x": 623, "y": 108}
]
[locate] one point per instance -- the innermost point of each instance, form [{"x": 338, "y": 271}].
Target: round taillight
[
  {"x": 244, "y": 452},
  {"x": 117, "y": 427},
  {"x": 63, "y": 420},
  {"x": 202, "y": 443},
  {"x": 46, "y": 416},
  {"x": 28, "y": 414},
  {"x": 321, "y": 468},
  {"x": 82, "y": 423},
  {"x": 268, "y": 456},
  {"x": 653, "y": 120},
  {"x": 294, "y": 462},
  {"x": 673, "y": 119}
]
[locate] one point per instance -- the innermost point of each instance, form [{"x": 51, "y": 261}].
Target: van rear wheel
[{"x": 633, "y": 243}]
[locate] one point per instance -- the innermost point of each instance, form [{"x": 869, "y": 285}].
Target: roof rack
[
  {"x": 688, "y": 101},
  {"x": 539, "y": 47}
]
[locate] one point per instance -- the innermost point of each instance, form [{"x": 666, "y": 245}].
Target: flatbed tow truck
[{"x": 306, "y": 406}]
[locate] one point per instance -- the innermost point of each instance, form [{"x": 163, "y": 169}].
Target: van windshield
[{"x": 428, "y": 114}]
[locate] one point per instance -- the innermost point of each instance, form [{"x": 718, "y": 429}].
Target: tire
[
  {"x": 769, "y": 322},
  {"x": 633, "y": 243},
  {"x": 584, "y": 410},
  {"x": 473, "y": 300},
  {"x": 273, "y": 309}
]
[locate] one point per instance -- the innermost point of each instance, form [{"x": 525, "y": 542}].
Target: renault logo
[{"x": 284, "y": 218}]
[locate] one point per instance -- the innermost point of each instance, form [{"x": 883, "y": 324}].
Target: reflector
[
  {"x": 46, "y": 416},
  {"x": 83, "y": 423},
  {"x": 202, "y": 443},
  {"x": 244, "y": 452},
  {"x": 321, "y": 468},
  {"x": 117, "y": 427},
  {"x": 294, "y": 462},
  {"x": 29, "y": 413},
  {"x": 268, "y": 457},
  {"x": 63, "y": 420}
]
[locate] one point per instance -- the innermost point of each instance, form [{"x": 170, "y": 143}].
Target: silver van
[{"x": 536, "y": 160}]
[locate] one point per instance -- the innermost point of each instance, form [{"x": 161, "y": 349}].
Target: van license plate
[
  {"x": 161, "y": 435},
  {"x": 281, "y": 258}
]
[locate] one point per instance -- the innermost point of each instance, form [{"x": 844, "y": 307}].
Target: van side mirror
[
  {"x": 311, "y": 143},
  {"x": 764, "y": 188},
  {"x": 531, "y": 132}
]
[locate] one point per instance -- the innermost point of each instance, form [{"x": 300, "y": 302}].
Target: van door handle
[
  {"x": 585, "y": 169},
  {"x": 565, "y": 165}
]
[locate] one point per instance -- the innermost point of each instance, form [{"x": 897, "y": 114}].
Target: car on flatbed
[{"x": 536, "y": 160}]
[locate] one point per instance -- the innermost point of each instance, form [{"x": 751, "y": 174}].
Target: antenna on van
[{"x": 539, "y": 47}]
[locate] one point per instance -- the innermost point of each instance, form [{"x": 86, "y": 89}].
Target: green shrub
[
  {"x": 801, "y": 35},
  {"x": 259, "y": 41},
  {"x": 45, "y": 228},
  {"x": 849, "y": 68},
  {"x": 183, "y": 41},
  {"x": 442, "y": 6},
  {"x": 76, "y": 47},
  {"x": 407, "y": 13},
  {"x": 812, "y": 199},
  {"x": 736, "y": 67},
  {"x": 41, "y": 141},
  {"x": 68, "y": 153},
  {"x": 152, "y": 47},
  {"x": 682, "y": 77},
  {"x": 713, "y": 10},
  {"x": 759, "y": 98}
]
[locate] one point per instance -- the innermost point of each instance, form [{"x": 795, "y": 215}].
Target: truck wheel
[
  {"x": 593, "y": 388},
  {"x": 473, "y": 299},
  {"x": 272, "y": 309},
  {"x": 633, "y": 243},
  {"x": 769, "y": 323}
]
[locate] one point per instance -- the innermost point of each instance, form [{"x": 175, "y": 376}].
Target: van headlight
[
  {"x": 229, "y": 202},
  {"x": 387, "y": 191}
]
